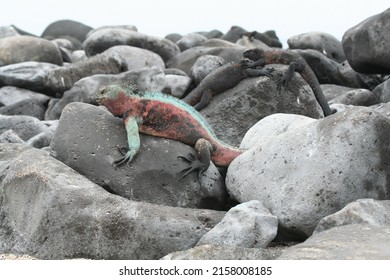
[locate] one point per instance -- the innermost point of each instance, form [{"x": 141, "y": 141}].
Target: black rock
[
  {"x": 106, "y": 38},
  {"x": 367, "y": 44},
  {"x": 320, "y": 41},
  {"x": 28, "y": 107},
  {"x": 62, "y": 28},
  {"x": 329, "y": 71},
  {"x": 18, "y": 49},
  {"x": 51, "y": 212}
]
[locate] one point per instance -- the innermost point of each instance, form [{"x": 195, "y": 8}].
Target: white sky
[{"x": 162, "y": 17}]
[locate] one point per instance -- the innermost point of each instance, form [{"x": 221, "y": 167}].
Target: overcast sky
[{"x": 162, "y": 17}]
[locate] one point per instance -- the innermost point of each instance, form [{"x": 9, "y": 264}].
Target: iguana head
[
  {"x": 115, "y": 97},
  {"x": 254, "y": 54}
]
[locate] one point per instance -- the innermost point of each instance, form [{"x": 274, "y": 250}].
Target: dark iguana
[
  {"x": 296, "y": 64},
  {"x": 222, "y": 79}
]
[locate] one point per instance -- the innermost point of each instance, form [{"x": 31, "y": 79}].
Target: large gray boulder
[
  {"x": 356, "y": 97},
  {"x": 367, "y": 44},
  {"x": 106, "y": 38},
  {"x": 10, "y": 95},
  {"x": 248, "y": 225},
  {"x": 87, "y": 140},
  {"x": 67, "y": 28},
  {"x": 272, "y": 126},
  {"x": 63, "y": 78},
  {"x": 29, "y": 75},
  {"x": 190, "y": 40},
  {"x": 382, "y": 92},
  {"x": 22, "y": 48},
  {"x": 323, "y": 42},
  {"x": 49, "y": 211},
  {"x": 312, "y": 171}
]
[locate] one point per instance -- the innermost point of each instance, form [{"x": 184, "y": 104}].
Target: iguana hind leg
[
  {"x": 286, "y": 77},
  {"x": 205, "y": 100},
  {"x": 194, "y": 165},
  {"x": 201, "y": 161}
]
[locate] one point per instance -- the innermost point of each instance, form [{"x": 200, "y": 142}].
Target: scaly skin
[
  {"x": 164, "y": 116},
  {"x": 220, "y": 80},
  {"x": 296, "y": 63}
]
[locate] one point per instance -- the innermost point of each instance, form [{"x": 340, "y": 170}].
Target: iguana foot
[
  {"x": 201, "y": 161},
  {"x": 127, "y": 157},
  {"x": 256, "y": 72},
  {"x": 283, "y": 81},
  {"x": 194, "y": 165}
]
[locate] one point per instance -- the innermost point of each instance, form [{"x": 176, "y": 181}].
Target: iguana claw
[
  {"x": 195, "y": 165},
  {"x": 127, "y": 157}
]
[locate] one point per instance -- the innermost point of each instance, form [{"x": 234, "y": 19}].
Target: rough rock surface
[
  {"x": 87, "y": 139},
  {"x": 28, "y": 107},
  {"x": 28, "y": 75},
  {"x": 176, "y": 85},
  {"x": 10, "y": 95},
  {"x": 63, "y": 78},
  {"x": 310, "y": 172},
  {"x": 204, "y": 65},
  {"x": 357, "y": 97},
  {"x": 67, "y": 28},
  {"x": 8, "y": 31},
  {"x": 367, "y": 45},
  {"x": 49, "y": 211},
  {"x": 24, "y": 126},
  {"x": 26, "y": 129},
  {"x": 84, "y": 90},
  {"x": 248, "y": 225},
  {"x": 27, "y": 48},
  {"x": 106, "y": 38},
  {"x": 270, "y": 127},
  {"x": 382, "y": 92},
  {"x": 351, "y": 242},
  {"x": 323, "y": 42},
  {"x": 190, "y": 40},
  {"x": 363, "y": 211},
  {"x": 185, "y": 60},
  {"x": 219, "y": 252}
]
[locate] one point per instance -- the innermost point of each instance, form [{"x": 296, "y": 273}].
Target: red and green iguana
[
  {"x": 165, "y": 116},
  {"x": 296, "y": 63}
]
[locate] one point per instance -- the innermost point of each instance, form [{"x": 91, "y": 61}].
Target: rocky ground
[{"x": 308, "y": 186}]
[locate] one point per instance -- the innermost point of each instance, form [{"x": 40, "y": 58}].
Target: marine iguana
[
  {"x": 222, "y": 79},
  {"x": 296, "y": 64},
  {"x": 162, "y": 115}
]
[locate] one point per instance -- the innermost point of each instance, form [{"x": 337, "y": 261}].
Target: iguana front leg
[
  {"x": 133, "y": 141},
  {"x": 201, "y": 161}
]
